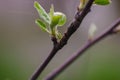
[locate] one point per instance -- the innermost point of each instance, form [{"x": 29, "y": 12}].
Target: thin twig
[
  {"x": 58, "y": 45},
  {"x": 43, "y": 65},
  {"x": 88, "y": 45}
]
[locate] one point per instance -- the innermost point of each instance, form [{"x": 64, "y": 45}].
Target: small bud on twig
[{"x": 92, "y": 31}]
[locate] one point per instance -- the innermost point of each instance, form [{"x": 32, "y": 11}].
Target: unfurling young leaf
[
  {"x": 102, "y": 2},
  {"x": 51, "y": 13},
  {"x": 41, "y": 25},
  {"x": 42, "y": 13},
  {"x": 58, "y": 19},
  {"x": 62, "y": 19}
]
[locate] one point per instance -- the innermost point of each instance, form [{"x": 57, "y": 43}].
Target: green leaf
[
  {"x": 51, "y": 13},
  {"x": 62, "y": 20},
  {"x": 102, "y": 2},
  {"x": 41, "y": 25},
  {"x": 42, "y": 13},
  {"x": 58, "y": 19}
]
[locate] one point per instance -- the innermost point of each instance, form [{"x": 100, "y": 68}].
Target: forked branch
[
  {"x": 58, "y": 45},
  {"x": 89, "y": 44}
]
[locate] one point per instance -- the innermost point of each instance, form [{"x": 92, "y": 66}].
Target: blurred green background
[{"x": 23, "y": 46}]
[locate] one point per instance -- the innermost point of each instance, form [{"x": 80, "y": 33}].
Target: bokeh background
[{"x": 23, "y": 46}]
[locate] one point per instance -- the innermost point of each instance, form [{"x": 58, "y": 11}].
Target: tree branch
[
  {"x": 88, "y": 45},
  {"x": 58, "y": 45}
]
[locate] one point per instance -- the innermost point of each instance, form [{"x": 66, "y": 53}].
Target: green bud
[{"x": 58, "y": 19}]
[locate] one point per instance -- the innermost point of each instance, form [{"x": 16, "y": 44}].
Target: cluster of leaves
[{"x": 49, "y": 22}]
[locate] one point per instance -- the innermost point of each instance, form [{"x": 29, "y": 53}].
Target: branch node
[{"x": 54, "y": 40}]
